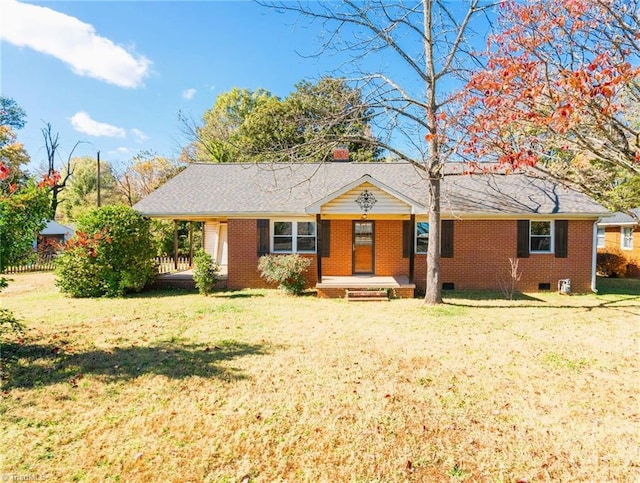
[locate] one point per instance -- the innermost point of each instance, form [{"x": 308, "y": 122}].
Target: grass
[{"x": 174, "y": 386}]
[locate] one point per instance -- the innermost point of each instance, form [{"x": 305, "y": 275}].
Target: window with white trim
[
  {"x": 600, "y": 237},
  {"x": 293, "y": 237},
  {"x": 422, "y": 236},
  {"x": 626, "y": 238},
  {"x": 541, "y": 236}
]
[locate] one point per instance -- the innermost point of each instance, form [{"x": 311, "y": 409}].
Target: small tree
[
  {"x": 508, "y": 284},
  {"x": 285, "y": 270},
  {"x": 205, "y": 272},
  {"x": 57, "y": 182},
  {"x": 23, "y": 205},
  {"x": 111, "y": 254},
  {"x": 23, "y": 213}
]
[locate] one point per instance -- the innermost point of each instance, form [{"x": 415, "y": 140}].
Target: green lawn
[{"x": 174, "y": 386}]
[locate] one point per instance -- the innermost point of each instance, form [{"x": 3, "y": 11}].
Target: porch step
[{"x": 371, "y": 295}]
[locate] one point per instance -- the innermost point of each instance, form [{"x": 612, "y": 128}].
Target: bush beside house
[
  {"x": 288, "y": 271},
  {"x": 111, "y": 254},
  {"x": 205, "y": 272}
]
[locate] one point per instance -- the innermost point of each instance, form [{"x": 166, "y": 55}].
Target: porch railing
[{"x": 168, "y": 265}]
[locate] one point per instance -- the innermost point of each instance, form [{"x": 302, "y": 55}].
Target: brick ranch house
[
  {"x": 620, "y": 233},
  {"x": 366, "y": 225}
]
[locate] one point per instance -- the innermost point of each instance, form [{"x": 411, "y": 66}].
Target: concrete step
[{"x": 373, "y": 295}]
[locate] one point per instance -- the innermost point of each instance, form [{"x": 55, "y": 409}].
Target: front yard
[{"x": 258, "y": 386}]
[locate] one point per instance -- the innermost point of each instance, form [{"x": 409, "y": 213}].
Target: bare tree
[
  {"x": 143, "y": 174},
  {"x": 408, "y": 58},
  {"x": 53, "y": 178}
]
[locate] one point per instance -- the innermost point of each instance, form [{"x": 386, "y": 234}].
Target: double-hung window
[
  {"x": 422, "y": 236},
  {"x": 294, "y": 237},
  {"x": 600, "y": 237},
  {"x": 541, "y": 237},
  {"x": 626, "y": 238}
]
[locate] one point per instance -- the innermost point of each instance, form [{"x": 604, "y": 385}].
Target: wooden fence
[
  {"x": 42, "y": 263},
  {"x": 46, "y": 263}
]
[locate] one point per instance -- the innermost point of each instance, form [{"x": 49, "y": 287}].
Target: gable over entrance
[{"x": 365, "y": 197}]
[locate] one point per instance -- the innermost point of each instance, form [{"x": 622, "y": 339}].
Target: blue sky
[{"x": 115, "y": 74}]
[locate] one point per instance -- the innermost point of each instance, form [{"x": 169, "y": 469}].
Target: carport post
[
  {"x": 190, "y": 243},
  {"x": 175, "y": 244}
]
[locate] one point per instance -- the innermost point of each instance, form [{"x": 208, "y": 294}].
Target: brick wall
[
  {"x": 338, "y": 263},
  {"x": 482, "y": 249},
  {"x": 243, "y": 257},
  {"x": 612, "y": 242},
  {"x": 389, "y": 261},
  {"x": 388, "y": 249}
]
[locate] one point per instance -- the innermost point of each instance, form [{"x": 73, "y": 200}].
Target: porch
[
  {"x": 337, "y": 287},
  {"x": 184, "y": 279}
]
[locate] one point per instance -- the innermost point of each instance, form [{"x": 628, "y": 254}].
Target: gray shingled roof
[
  {"x": 55, "y": 228},
  {"x": 620, "y": 218},
  {"x": 286, "y": 189}
]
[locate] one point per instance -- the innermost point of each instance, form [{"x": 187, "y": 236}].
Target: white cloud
[
  {"x": 82, "y": 122},
  {"x": 73, "y": 42},
  {"x": 120, "y": 151},
  {"x": 139, "y": 135},
  {"x": 188, "y": 94}
]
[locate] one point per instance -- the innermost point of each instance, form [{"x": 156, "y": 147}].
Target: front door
[{"x": 363, "y": 252}]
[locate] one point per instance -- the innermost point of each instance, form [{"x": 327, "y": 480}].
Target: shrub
[
  {"x": 8, "y": 321},
  {"x": 111, "y": 254},
  {"x": 205, "y": 272},
  {"x": 611, "y": 264},
  {"x": 285, "y": 270}
]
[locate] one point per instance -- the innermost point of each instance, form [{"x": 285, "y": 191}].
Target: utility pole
[{"x": 98, "y": 179}]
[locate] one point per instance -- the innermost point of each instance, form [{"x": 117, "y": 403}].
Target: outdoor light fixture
[{"x": 366, "y": 200}]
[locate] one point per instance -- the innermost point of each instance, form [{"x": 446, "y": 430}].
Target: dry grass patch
[{"x": 180, "y": 387}]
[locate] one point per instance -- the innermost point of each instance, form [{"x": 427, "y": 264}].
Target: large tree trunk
[{"x": 433, "y": 293}]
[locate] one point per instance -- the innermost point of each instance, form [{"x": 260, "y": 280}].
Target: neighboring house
[
  {"x": 367, "y": 224},
  {"x": 620, "y": 233},
  {"x": 52, "y": 237}
]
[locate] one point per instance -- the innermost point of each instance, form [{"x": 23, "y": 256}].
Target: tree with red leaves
[
  {"x": 561, "y": 93},
  {"x": 56, "y": 182},
  {"x": 23, "y": 205},
  {"x": 12, "y": 153}
]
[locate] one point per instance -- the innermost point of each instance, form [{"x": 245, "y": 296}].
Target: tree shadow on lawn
[
  {"x": 487, "y": 295},
  {"x": 151, "y": 293},
  {"x": 176, "y": 292},
  {"x": 467, "y": 298},
  {"x": 29, "y": 365},
  {"x": 235, "y": 294}
]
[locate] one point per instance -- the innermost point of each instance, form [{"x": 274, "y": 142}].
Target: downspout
[{"x": 594, "y": 255}]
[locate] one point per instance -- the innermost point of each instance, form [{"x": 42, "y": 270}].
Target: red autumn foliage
[
  {"x": 558, "y": 76},
  {"x": 89, "y": 243},
  {"x": 49, "y": 180}
]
